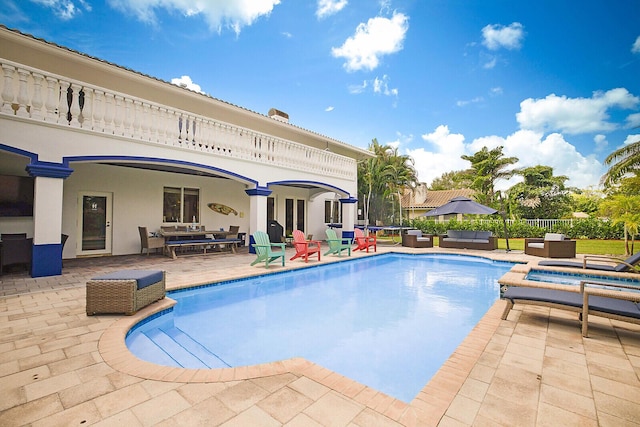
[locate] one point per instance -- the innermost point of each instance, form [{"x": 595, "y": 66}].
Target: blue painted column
[
  {"x": 258, "y": 215},
  {"x": 46, "y": 258},
  {"x": 348, "y": 216}
]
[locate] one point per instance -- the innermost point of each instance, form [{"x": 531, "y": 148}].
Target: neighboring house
[
  {"x": 421, "y": 200},
  {"x": 107, "y": 149}
]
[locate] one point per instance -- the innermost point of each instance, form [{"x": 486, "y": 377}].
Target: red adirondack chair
[
  {"x": 304, "y": 247},
  {"x": 365, "y": 242}
]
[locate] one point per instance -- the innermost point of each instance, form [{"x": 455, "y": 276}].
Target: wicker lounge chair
[
  {"x": 615, "y": 264},
  {"x": 365, "y": 242},
  {"x": 415, "y": 239},
  {"x": 148, "y": 243},
  {"x": 553, "y": 245},
  {"x": 336, "y": 245},
  {"x": 264, "y": 249}
]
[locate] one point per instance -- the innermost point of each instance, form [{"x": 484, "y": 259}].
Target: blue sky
[{"x": 554, "y": 82}]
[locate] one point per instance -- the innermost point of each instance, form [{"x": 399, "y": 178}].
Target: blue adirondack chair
[
  {"x": 337, "y": 245},
  {"x": 264, "y": 249}
]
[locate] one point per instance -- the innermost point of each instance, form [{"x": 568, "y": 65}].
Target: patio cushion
[
  {"x": 417, "y": 233},
  {"x": 536, "y": 245},
  {"x": 143, "y": 278},
  {"x": 554, "y": 236},
  {"x": 483, "y": 235}
]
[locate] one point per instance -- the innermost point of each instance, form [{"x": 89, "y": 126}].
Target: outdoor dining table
[{"x": 217, "y": 234}]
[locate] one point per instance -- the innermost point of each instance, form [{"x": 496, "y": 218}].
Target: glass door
[{"x": 94, "y": 225}]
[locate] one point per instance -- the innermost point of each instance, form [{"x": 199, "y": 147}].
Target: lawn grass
[{"x": 583, "y": 246}]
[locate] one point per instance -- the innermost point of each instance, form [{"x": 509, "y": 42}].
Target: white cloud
[
  {"x": 574, "y": 115},
  {"x": 635, "y": 48},
  {"x": 379, "y": 36},
  {"x": 497, "y": 36},
  {"x": 329, "y": 108},
  {"x": 329, "y": 7},
  {"x": 378, "y": 85},
  {"x": 218, "y": 14},
  {"x": 496, "y": 91},
  {"x": 186, "y": 82},
  {"x": 633, "y": 120},
  {"x": 490, "y": 64},
  {"x": 601, "y": 142},
  {"x": 445, "y": 150},
  {"x": 464, "y": 103},
  {"x": 65, "y": 9}
]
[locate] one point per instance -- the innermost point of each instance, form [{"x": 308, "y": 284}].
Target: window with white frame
[{"x": 181, "y": 204}]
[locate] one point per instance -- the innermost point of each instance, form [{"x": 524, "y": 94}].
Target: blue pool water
[
  {"x": 388, "y": 321},
  {"x": 575, "y": 279}
]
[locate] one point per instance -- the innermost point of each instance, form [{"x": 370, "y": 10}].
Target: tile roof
[{"x": 422, "y": 198}]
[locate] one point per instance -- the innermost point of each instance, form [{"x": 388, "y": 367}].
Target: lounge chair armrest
[
  {"x": 610, "y": 259},
  {"x": 602, "y": 290}
]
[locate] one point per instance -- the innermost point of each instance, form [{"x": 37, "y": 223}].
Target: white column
[
  {"x": 349, "y": 217},
  {"x": 46, "y": 257},
  {"x": 258, "y": 206},
  {"x": 47, "y": 210}
]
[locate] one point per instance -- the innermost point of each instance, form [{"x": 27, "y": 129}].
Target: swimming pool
[
  {"x": 564, "y": 278},
  {"x": 388, "y": 321}
]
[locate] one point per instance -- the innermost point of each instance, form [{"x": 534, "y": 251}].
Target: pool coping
[{"x": 430, "y": 403}]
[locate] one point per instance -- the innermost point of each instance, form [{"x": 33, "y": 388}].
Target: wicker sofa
[
  {"x": 415, "y": 239},
  {"x": 553, "y": 245},
  {"x": 469, "y": 239},
  {"x": 125, "y": 291}
]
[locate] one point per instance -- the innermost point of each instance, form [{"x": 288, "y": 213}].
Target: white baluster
[
  {"x": 74, "y": 108},
  {"x": 108, "y": 112},
  {"x": 137, "y": 118},
  {"x": 7, "y": 90},
  {"x": 162, "y": 125},
  {"x": 63, "y": 103},
  {"x": 51, "y": 104},
  {"x": 86, "y": 115},
  {"x": 118, "y": 113},
  {"x": 144, "y": 121},
  {"x": 127, "y": 121},
  {"x": 37, "y": 100},
  {"x": 153, "y": 124},
  {"x": 98, "y": 110}
]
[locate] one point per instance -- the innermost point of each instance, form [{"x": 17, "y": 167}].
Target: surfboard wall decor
[{"x": 223, "y": 209}]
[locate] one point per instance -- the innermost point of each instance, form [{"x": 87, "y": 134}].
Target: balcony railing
[{"x": 32, "y": 94}]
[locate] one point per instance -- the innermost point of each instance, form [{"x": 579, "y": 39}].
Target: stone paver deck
[{"x": 59, "y": 366}]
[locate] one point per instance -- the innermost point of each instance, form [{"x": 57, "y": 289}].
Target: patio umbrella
[
  {"x": 461, "y": 205},
  {"x": 464, "y": 205}
]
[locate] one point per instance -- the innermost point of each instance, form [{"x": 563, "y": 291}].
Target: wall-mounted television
[{"x": 16, "y": 195}]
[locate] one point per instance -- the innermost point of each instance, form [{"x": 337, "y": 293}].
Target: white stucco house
[{"x": 108, "y": 149}]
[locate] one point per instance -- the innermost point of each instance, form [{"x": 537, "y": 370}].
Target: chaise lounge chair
[
  {"x": 304, "y": 247},
  {"x": 336, "y": 245},
  {"x": 264, "y": 249},
  {"x": 597, "y": 301},
  {"x": 365, "y": 242},
  {"x": 623, "y": 265}
]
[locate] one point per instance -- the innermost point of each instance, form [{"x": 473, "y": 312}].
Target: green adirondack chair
[
  {"x": 264, "y": 248},
  {"x": 337, "y": 245}
]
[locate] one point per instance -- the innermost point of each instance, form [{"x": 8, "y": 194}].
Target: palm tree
[
  {"x": 487, "y": 166},
  {"x": 622, "y": 161},
  {"x": 383, "y": 177},
  {"x": 626, "y": 210}
]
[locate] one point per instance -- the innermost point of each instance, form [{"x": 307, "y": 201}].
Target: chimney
[{"x": 279, "y": 115}]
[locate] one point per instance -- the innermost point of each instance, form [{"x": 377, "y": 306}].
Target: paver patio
[{"x": 59, "y": 366}]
